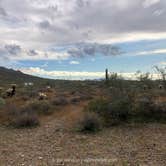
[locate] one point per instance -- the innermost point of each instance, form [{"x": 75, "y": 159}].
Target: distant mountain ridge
[{"x": 16, "y": 76}]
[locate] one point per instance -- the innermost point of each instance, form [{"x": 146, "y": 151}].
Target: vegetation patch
[
  {"x": 40, "y": 107},
  {"x": 59, "y": 101},
  {"x": 126, "y": 110},
  {"x": 90, "y": 123},
  {"x": 25, "y": 120}
]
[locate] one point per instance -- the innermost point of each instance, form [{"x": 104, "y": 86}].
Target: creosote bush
[{"x": 89, "y": 123}]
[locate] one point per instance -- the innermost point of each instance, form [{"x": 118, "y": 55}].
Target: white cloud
[
  {"x": 76, "y": 75},
  {"x": 163, "y": 63},
  {"x": 71, "y": 21},
  {"x": 62, "y": 74},
  {"x": 131, "y": 37},
  {"x": 148, "y": 3},
  {"x": 15, "y": 52},
  {"x": 74, "y": 62},
  {"x": 41, "y": 55},
  {"x": 157, "y": 51},
  {"x": 158, "y": 12}
]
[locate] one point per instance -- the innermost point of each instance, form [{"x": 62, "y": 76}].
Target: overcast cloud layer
[
  {"x": 40, "y": 23},
  {"x": 60, "y": 29}
]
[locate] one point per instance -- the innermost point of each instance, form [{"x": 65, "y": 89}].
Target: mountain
[{"x": 8, "y": 76}]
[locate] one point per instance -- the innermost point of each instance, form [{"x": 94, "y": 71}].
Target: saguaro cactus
[{"x": 106, "y": 74}]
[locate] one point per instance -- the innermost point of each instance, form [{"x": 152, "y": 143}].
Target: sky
[{"x": 79, "y": 39}]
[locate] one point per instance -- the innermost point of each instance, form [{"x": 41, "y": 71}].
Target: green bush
[
  {"x": 111, "y": 113},
  {"x": 119, "y": 111},
  {"x": 99, "y": 106},
  {"x": 90, "y": 123}
]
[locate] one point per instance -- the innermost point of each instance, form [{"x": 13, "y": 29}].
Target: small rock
[{"x": 40, "y": 158}]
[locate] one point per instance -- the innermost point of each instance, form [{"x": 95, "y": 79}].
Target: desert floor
[{"x": 55, "y": 142}]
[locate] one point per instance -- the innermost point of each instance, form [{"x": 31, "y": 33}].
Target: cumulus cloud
[
  {"x": 84, "y": 49},
  {"x": 74, "y": 62},
  {"x": 17, "y": 53}
]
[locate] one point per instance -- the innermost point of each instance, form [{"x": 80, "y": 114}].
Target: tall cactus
[{"x": 106, "y": 75}]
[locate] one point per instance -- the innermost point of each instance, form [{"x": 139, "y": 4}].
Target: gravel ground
[{"x": 53, "y": 142}]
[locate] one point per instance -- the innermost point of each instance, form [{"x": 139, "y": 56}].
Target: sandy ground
[{"x": 54, "y": 142}]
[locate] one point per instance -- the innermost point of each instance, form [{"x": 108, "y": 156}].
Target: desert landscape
[
  {"x": 82, "y": 82},
  {"x": 80, "y": 123}
]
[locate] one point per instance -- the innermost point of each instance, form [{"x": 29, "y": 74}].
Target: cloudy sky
[{"x": 78, "y": 39}]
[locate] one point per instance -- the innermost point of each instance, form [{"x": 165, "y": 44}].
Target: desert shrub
[
  {"x": 59, "y": 101},
  {"x": 39, "y": 107},
  {"x": 21, "y": 117},
  {"x": 111, "y": 113},
  {"x": 86, "y": 96},
  {"x": 25, "y": 98},
  {"x": 89, "y": 123},
  {"x": 99, "y": 106},
  {"x": 28, "y": 92},
  {"x": 25, "y": 120},
  {"x": 160, "y": 110},
  {"x": 12, "y": 110},
  {"x": 118, "y": 111},
  {"x": 2, "y": 102},
  {"x": 143, "y": 108},
  {"x": 75, "y": 100},
  {"x": 146, "y": 109}
]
